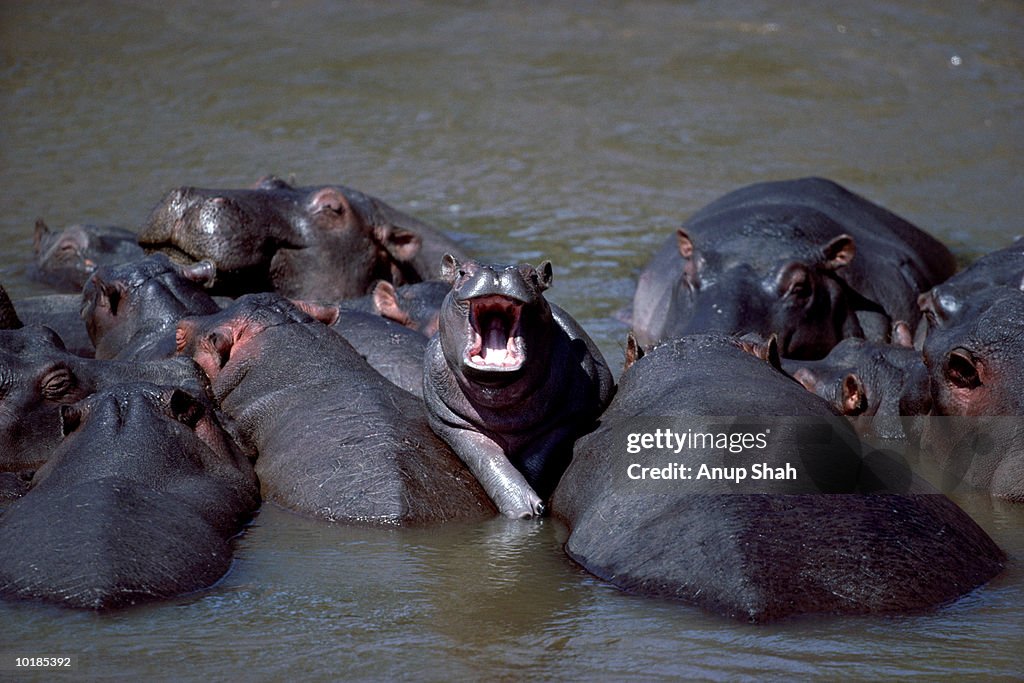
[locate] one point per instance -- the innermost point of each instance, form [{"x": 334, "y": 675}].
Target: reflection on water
[{"x": 582, "y": 134}]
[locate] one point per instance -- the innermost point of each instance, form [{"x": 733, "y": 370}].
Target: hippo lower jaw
[{"x": 496, "y": 344}]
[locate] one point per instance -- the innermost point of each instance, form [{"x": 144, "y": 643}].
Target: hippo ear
[
  {"x": 634, "y": 351},
  {"x": 270, "y": 182},
  {"x": 202, "y": 273},
  {"x": 854, "y": 398},
  {"x": 684, "y": 243},
  {"x": 110, "y": 295},
  {"x": 451, "y": 269},
  {"x": 385, "y": 302},
  {"x": 901, "y": 335},
  {"x": 184, "y": 333},
  {"x": 759, "y": 347},
  {"x": 961, "y": 369},
  {"x": 839, "y": 252},
  {"x": 41, "y": 231},
  {"x": 401, "y": 244},
  {"x": 806, "y": 378},
  {"x": 545, "y": 275},
  {"x": 328, "y": 314}
]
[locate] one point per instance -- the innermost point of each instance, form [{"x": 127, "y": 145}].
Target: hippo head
[
  {"x": 975, "y": 364},
  {"x": 67, "y": 258},
  {"x": 117, "y": 300},
  {"x": 227, "y": 344},
  {"x": 37, "y": 376},
  {"x": 495, "y": 321},
  {"x": 768, "y": 282},
  {"x": 326, "y": 242}
]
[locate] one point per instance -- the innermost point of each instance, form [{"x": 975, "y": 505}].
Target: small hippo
[
  {"x": 332, "y": 438},
  {"x": 323, "y": 243},
  {"x": 138, "y": 503},
  {"x": 66, "y": 259},
  {"x": 131, "y": 311},
  {"x": 511, "y": 381},
  {"x": 860, "y": 378},
  {"x": 766, "y": 547},
  {"x": 806, "y": 260}
]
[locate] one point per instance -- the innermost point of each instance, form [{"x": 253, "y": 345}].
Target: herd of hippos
[{"x": 318, "y": 349}]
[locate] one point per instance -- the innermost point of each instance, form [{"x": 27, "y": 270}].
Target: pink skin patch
[{"x": 496, "y": 344}]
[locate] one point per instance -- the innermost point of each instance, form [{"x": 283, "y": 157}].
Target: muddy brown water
[{"x": 577, "y": 133}]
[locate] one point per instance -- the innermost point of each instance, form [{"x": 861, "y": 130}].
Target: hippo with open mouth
[{"x": 511, "y": 381}]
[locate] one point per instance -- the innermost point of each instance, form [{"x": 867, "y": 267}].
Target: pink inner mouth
[{"x": 496, "y": 343}]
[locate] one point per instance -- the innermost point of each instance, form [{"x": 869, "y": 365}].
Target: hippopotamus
[
  {"x": 332, "y": 438},
  {"x": 804, "y": 259},
  {"x": 9, "y": 319},
  {"x": 38, "y": 375},
  {"x": 861, "y": 378},
  {"x": 765, "y": 549},
  {"x": 66, "y": 259},
  {"x": 417, "y": 306},
  {"x": 392, "y": 349},
  {"x": 131, "y": 311},
  {"x": 138, "y": 503},
  {"x": 977, "y": 375},
  {"x": 325, "y": 243},
  {"x": 950, "y": 301},
  {"x": 511, "y": 380}
]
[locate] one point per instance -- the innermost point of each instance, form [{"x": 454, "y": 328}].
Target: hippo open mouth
[{"x": 496, "y": 344}]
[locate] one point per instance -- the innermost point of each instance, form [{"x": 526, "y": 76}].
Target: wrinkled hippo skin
[
  {"x": 755, "y": 556},
  {"x": 333, "y": 438},
  {"x": 417, "y": 306},
  {"x": 510, "y": 381},
  {"x": 327, "y": 243},
  {"x": 62, "y": 314},
  {"x": 952, "y": 301},
  {"x": 9, "y": 319},
  {"x": 804, "y": 259},
  {"x": 38, "y": 376},
  {"x": 861, "y": 378},
  {"x": 66, "y": 259},
  {"x": 131, "y": 311},
  {"x": 137, "y": 504},
  {"x": 977, "y": 370}
]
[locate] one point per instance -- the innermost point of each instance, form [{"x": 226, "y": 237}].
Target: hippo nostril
[{"x": 962, "y": 369}]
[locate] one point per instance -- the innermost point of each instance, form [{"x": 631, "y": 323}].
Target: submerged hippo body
[
  {"x": 138, "y": 503},
  {"x": 66, "y": 259},
  {"x": 38, "y": 376},
  {"x": 510, "y": 381},
  {"x": 333, "y": 439},
  {"x": 393, "y": 350},
  {"x": 804, "y": 259},
  {"x": 328, "y": 243},
  {"x": 977, "y": 383},
  {"x": 131, "y": 310},
  {"x": 769, "y": 549},
  {"x": 62, "y": 313}
]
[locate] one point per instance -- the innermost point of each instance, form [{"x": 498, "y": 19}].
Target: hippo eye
[
  {"x": 57, "y": 383},
  {"x": 962, "y": 370}
]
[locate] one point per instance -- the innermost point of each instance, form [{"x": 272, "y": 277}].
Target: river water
[{"x": 578, "y": 133}]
